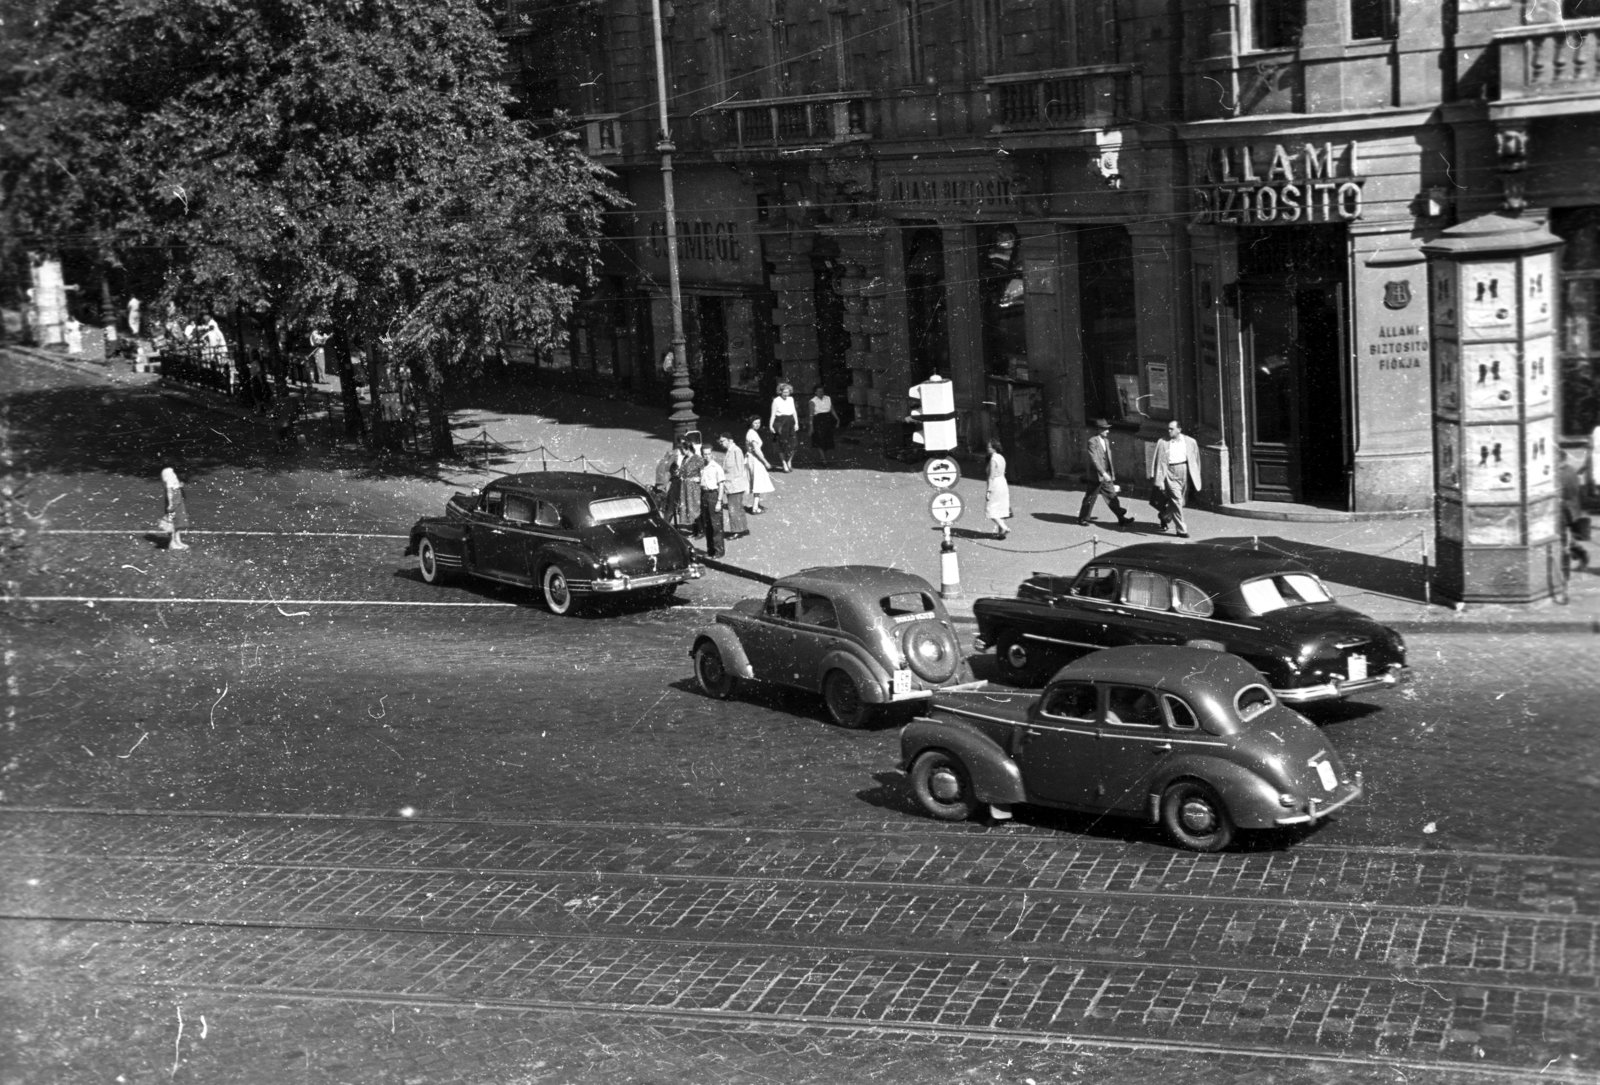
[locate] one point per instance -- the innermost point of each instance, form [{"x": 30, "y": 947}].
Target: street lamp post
[{"x": 683, "y": 416}]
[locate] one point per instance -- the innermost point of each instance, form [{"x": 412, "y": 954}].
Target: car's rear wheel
[
  {"x": 1194, "y": 816},
  {"x": 428, "y": 562},
  {"x": 941, "y": 785},
  {"x": 713, "y": 675},
  {"x": 1019, "y": 661},
  {"x": 846, "y": 706},
  {"x": 558, "y": 594}
]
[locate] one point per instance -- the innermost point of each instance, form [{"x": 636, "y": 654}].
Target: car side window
[
  {"x": 1188, "y": 599},
  {"x": 549, "y": 515},
  {"x": 1097, "y": 582},
  {"x": 1071, "y": 700},
  {"x": 519, "y": 510},
  {"x": 1131, "y": 706},
  {"x": 1146, "y": 589},
  {"x": 817, "y": 610},
  {"x": 493, "y": 502},
  {"x": 1183, "y": 717},
  {"x": 784, "y": 603}
]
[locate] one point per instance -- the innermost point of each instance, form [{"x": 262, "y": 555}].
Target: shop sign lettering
[
  {"x": 1400, "y": 346},
  {"x": 713, "y": 242},
  {"x": 1317, "y": 183},
  {"x": 962, "y": 191}
]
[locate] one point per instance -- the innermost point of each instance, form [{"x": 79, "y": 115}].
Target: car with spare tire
[
  {"x": 572, "y": 536},
  {"x": 869, "y": 639}
]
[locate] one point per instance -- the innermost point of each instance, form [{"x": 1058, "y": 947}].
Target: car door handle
[{"x": 1161, "y": 747}]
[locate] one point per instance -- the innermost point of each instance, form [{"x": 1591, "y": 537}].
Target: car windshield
[
  {"x": 618, "y": 508},
  {"x": 1271, "y": 593}
]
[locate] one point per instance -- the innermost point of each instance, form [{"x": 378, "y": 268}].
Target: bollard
[
  {"x": 1427, "y": 570},
  {"x": 949, "y": 568}
]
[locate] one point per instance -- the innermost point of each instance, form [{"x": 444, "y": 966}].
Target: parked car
[
  {"x": 570, "y": 535},
  {"x": 1187, "y": 738},
  {"x": 1270, "y": 610},
  {"x": 864, "y": 636}
]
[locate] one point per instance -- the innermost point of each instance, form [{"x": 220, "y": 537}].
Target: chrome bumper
[
  {"x": 633, "y": 583},
  {"x": 1319, "y": 812},
  {"x": 1396, "y": 675}
]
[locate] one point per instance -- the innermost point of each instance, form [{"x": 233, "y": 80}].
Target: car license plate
[
  {"x": 652, "y": 545},
  {"x": 1358, "y": 667},
  {"x": 1325, "y": 774},
  {"x": 902, "y": 682}
]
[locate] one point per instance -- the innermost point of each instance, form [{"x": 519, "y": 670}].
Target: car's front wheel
[
  {"x": 713, "y": 675},
  {"x": 428, "y": 562},
  {"x": 940, "y": 783},
  {"x": 1194, "y": 816},
  {"x": 846, "y": 706},
  {"x": 1018, "y": 661},
  {"x": 558, "y": 594}
]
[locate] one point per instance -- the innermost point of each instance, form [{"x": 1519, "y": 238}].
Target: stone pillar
[
  {"x": 864, "y": 291},
  {"x": 893, "y": 348},
  {"x": 1067, "y": 436},
  {"x": 1497, "y": 504},
  {"x": 1159, "y": 302},
  {"x": 795, "y": 318},
  {"x": 964, "y": 312}
]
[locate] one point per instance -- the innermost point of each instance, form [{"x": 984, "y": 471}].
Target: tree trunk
[
  {"x": 441, "y": 438},
  {"x": 385, "y": 435},
  {"x": 338, "y": 347}
]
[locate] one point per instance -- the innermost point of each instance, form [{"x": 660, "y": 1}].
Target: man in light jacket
[{"x": 1175, "y": 470}]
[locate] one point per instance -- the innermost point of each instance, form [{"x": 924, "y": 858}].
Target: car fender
[
  {"x": 1252, "y": 801},
  {"x": 446, "y": 536},
  {"x": 732, "y": 651},
  {"x": 995, "y": 777},
  {"x": 872, "y": 681},
  {"x": 579, "y": 564}
]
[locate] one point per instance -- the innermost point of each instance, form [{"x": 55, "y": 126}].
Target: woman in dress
[
  {"x": 755, "y": 460},
  {"x": 666, "y": 484},
  {"x": 997, "y": 496},
  {"x": 823, "y": 423},
  {"x": 737, "y": 485},
  {"x": 177, "y": 514},
  {"x": 689, "y": 468},
  {"x": 784, "y": 421}
]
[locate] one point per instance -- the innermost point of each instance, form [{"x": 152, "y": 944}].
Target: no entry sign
[{"x": 941, "y": 472}]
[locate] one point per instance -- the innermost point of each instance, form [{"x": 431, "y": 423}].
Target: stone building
[{"x": 1208, "y": 210}]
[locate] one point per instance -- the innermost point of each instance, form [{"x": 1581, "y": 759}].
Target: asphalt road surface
[{"x": 332, "y": 832}]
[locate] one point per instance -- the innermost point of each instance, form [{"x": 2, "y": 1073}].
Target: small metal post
[
  {"x": 1427, "y": 570},
  {"x": 949, "y": 568}
]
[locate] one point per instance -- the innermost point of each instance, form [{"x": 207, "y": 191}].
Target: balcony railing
[
  {"x": 1549, "y": 59},
  {"x": 811, "y": 118},
  {"x": 1097, "y": 97}
]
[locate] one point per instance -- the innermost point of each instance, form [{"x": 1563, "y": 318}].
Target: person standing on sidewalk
[
  {"x": 823, "y": 423},
  {"x": 176, "y": 517},
  {"x": 756, "y": 462},
  {"x": 694, "y": 458},
  {"x": 1105, "y": 470},
  {"x": 784, "y": 422},
  {"x": 713, "y": 493},
  {"x": 1175, "y": 471},
  {"x": 736, "y": 484},
  {"x": 997, "y": 496}
]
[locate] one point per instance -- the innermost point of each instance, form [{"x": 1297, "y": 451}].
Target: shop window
[
  {"x": 1004, "y": 297},
  {"x": 1580, "y": 318},
  {"x": 1108, "y": 318},
  {"x": 1276, "y": 24},
  {"x": 1374, "y": 19}
]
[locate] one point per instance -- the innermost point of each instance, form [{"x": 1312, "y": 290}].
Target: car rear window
[
  {"x": 1251, "y": 701},
  {"x": 906, "y": 602},
  {"x": 618, "y": 508},
  {"x": 1188, "y": 599},
  {"x": 1271, "y": 593}
]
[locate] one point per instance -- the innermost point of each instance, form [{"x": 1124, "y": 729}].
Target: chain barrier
[{"x": 483, "y": 446}]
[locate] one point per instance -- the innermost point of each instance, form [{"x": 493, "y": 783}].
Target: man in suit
[
  {"x": 1105, "y": 472},
  {"x": 1175, "y": 470}
]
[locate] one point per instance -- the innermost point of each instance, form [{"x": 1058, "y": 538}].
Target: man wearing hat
[{"x": 1100, "y": 456}]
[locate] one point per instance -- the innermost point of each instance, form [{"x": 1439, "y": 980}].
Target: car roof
[
  {"x": 868, "y": 578},
  {"x": 1180, "y": 670},
  {"x": 1207, "y": 563},
  {"x": 582, "y": 486}
]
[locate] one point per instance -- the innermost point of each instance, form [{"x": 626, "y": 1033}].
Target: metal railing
[
  {"x": 1097, "y": 97},
  {"x": 810, "y": 118},
  {"x": 1549, "y": 59}
]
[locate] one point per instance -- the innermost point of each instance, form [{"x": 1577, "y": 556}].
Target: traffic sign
[
  {"x": 942, "y": 472},
  {"x": 945, "y": 507}
]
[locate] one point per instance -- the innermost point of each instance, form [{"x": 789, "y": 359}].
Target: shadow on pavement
[{"x": 1368, "y": 572}]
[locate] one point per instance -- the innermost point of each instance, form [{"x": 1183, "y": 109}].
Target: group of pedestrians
[
  {"x": 784, "y": 421},
  {"x": 1174, "y": 475},
  {"x": 699, "y": 486}
]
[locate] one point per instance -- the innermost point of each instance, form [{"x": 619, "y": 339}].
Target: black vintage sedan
[
  {"x": 1268, "y": 609},
  {"x": 1189, "y": 739},
  {"x": 568, "y": 534}
]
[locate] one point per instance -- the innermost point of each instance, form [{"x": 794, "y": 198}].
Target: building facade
[{"x": 1208, "y": 210}]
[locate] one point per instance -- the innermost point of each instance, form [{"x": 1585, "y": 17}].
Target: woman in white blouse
[
  {"x": 784, "y": 422},
  {"x": 823, "y": 423}
]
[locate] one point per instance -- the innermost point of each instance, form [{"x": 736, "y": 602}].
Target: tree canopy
[{"x": 348, "y": 162}]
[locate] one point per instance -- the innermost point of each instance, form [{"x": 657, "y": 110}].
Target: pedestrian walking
[
  {"x": 755, "y": 461},
  {"x": 824, "y": 422},
  {"x": 997, "y": 495},
  {"x": 1175, "y": 471},
  {"x": 135, "y": 317},
  {"x": 694, "y": 459},
  {"x": 666, "y": 477},
  {"x": 784, "y": 422},
  {"x": 713, "y": 495},
  {"x": 1105, "y": 484},
  {"x": 1575, "y": 524},
  {"x": 175, "y": 520},
  {"x": 736, "y": 485},
  {"x": 317, "y": 361}
]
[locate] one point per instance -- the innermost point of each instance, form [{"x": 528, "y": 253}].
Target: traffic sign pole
[{"x": 949, "y": 568}]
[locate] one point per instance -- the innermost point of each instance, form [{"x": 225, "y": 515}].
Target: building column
[
  {"x": 893, "y": 347},
  {"x": 861, "y": 285},
  {"x": 964, "y": 311},
  {"x": 795, "y": 318},
  {"x": 1065, "y": 384},
  {"x": 1041, "y": 271}
]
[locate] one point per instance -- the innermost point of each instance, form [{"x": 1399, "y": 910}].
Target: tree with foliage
[{"x": 346, "y": 163}]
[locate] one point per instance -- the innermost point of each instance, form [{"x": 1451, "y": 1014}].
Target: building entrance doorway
[{"x": 1296, "y": 389}]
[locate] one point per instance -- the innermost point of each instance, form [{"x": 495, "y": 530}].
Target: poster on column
[
  {"x": 1538, "y": 283},
  {"x": 1445, "y": 280},
  {"x": 1447, "y": 377},
  {"x": 1541, "y": 457},
  {"x": 1447, "y": 459},
  {"x": 1488, "y": 300},
  {"x": 1493, "y": 463},
  {"x": 1491, "y": 381},
  {"x": 1540, "y": 381}
]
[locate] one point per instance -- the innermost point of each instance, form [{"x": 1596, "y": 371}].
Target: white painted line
[
  {"x": 240, "y": 602},
  {"x": 271, "y": 534}
]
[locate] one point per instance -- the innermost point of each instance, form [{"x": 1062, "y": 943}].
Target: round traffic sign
[
  {"x": 945, "y": 507},
  {"x": 942, "y": 472}
]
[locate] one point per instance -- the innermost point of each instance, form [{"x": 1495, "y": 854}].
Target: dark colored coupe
[
  {"x": 865, "y": 636},
  {"x": 1184, "y": 737},
  {"x": 1271, "y": 611},
  {"x": 570, "y": 535}
]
